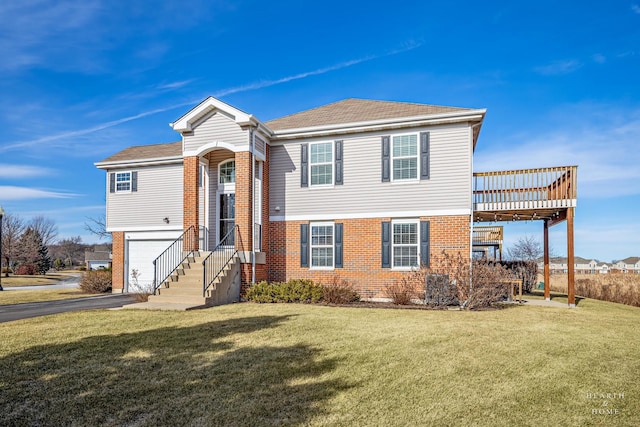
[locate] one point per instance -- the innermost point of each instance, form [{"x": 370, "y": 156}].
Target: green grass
[
  {"x": 17, "y": 297},
  {"x": 286, "y": 364},
  {"x": 38, "y": 279}
]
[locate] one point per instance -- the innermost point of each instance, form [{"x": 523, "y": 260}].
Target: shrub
[
  {"x": 453, "y": 280},
  {"x": 27, "y": 270},
  {"x": 294, "y": 290},
  {"x": 402, "y": 291},
  {"x": 527, "y": 271},
  {"x": 96, "y": 282},
  {"x": 339, "y": 291}
]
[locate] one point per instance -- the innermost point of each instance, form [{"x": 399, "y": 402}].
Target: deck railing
[
  {"x": 488, "y": 235},
  {"x": 525, "y": 188}
]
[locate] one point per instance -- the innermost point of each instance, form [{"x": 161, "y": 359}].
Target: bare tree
[
  {"x": 46, "y": 228},
  {"x": 98, "y": 227},
  {"x": 70, "y": 248},
  {"x": 12, "y": 230},
  {"x": 525, "y": 249}
]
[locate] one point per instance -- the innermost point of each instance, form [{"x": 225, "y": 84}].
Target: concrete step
[
  {"x": 195, "y": 300},
  {"x": 182, "y": 291}
]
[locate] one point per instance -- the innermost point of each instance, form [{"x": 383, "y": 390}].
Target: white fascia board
[
  {"x": 374, "y": 125},
  {"x": 184, "y": 123},
  {"x": 150, "y": 231},
  {"x": 138, "y": 162},
  {"x": 329, "y": 216}
]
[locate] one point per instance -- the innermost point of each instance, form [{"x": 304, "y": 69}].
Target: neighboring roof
[
  {"x": 97, "y": 256},
  {"x": 354, "y": 110},
  {"x": 631, "y": 260},
  {"x": 147, "y": 152}
]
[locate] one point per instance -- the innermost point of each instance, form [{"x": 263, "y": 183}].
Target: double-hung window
[
  {"x": 123, "y": 182},
  {"x": 321, "y": 163},
  {"x": 405, "y": 156},
  {"x": 322, "y": 245},
  {"x": 405, "y": 245}
]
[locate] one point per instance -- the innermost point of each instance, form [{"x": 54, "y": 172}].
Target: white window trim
[
  {"x": 393, "y": 246},
  {"x": 116, "y": 191},
  {"x": 333, "y": 245},
  {"x": 417, "y": 157},
  {"x": 333, "y": 165}
]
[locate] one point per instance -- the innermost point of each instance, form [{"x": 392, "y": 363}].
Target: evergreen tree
[{"x": 44, "y": 260}]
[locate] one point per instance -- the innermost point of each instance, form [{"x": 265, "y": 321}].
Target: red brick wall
[
  {"x": 191, "y": 201},
  {"x": 362, "y": 249},
  {"x": 117, "y": 262}
]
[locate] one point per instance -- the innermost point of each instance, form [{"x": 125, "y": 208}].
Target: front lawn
[
  {"x": 38, "y": 279},
  {"x": 17, "y": 297},
  {"x": 287, "y": 364}
]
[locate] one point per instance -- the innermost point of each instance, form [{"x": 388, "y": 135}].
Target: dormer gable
[{"x": 187, "y": 122}]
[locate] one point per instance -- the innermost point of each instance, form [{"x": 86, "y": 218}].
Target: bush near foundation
[
  {"x": 303, "y": 291},
  {"x": 453, "y": 280},
  {"x": 96, "y": 282},
  {"x": 339, "y": 291},
  {"x": 294, "y": 290}
]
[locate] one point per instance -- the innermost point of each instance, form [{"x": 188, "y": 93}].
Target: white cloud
[
  {"x": 9, "y": 192},
  {"x": 410, "y": 45},
  {"x": 559, "y": 68},
  {"x": 635, "y": 8},
  {"x": 599, "y": 58},
  {"x": 9, "y": 171}
]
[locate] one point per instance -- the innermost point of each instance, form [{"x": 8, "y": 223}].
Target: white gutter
[{"x": 253, "y": 204}]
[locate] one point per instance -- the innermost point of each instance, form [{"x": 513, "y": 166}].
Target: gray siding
[
  {"x": 215, "y": 127},
  {"x": 159, "y": 195},
  {"x": 363, "y": 192}
]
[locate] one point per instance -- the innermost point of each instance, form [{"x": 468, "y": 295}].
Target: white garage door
[{"x": 141, "y": 254}]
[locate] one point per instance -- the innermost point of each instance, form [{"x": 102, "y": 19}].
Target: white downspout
[{"x": 253, "y": 205}]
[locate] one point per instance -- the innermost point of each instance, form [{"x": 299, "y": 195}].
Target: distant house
[
  {"x": 559, "y": 265},
  {"x": 98, "y": 259},
  {"x": 628, "y": 265}
]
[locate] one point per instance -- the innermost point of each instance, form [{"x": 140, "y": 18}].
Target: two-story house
[{"x": 358, "y": 190}]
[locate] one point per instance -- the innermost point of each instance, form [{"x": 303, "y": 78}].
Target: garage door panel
[{"x": 141, "y": 254}]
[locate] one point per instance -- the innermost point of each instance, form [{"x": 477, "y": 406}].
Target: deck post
[
  {"x": 571, "y": 290},
  {"x": 547, "y": 278}
]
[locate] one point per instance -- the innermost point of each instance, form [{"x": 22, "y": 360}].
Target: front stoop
[{"x": 183, "y": 289}]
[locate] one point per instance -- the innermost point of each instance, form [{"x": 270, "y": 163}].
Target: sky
[{"x": 82, "y": 80}]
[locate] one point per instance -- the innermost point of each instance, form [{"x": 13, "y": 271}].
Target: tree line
[{"x": 33, "y": 247}]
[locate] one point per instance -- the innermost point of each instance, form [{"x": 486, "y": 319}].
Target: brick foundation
[{"x": 362, "y": 265}]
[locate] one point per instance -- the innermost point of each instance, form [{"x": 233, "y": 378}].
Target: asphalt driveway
[{"x": 12, "y": 312}]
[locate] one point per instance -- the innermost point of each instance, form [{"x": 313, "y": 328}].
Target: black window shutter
[
  {"x": 134, "y": 181},
  {"x": 386, "y": 244},
  {"x": 304, "y": 165},
  {"x": 112, "y": 183},
  {"x": 424, "y": 243},
  {"x": 338, "y": 163},
  {"x": 338, "y": 245},
  {"x": 304, "y": 245},
  {"x": 386, "y": 159},
  {"x": 424, "y": 155}
]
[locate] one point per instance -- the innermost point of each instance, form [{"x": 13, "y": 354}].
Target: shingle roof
[
  {"x": 142, "y": 152},
  {"x": 356, "y": 110},
  {"x": 631, "y": 260}
]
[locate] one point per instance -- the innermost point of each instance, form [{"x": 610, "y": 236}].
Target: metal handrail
[
  {"x": 172, "y": 257},
  {"x": 220, "y": 257}
]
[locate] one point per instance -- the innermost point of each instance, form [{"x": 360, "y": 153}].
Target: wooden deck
[{"x": 524, "y": 194}]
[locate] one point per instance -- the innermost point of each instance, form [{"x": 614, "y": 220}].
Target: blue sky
[{"x": 82, "y": 80}]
